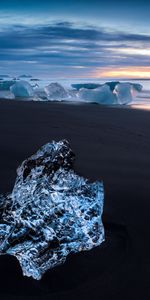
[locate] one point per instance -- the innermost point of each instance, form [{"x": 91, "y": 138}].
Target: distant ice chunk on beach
[
  {"x": 25, "y": 76},
  {"x": 7, "y": 95},
  {"x": 112, "y": 84},
  {"x": 56, "y": 91},
  {"x": 40, "y": 94},
  {"x": 109, "y": 93},
  {"x": 101, "y": 95},
  {"x": 22, "y": 89},
  {"x": 123, "y": 92}
]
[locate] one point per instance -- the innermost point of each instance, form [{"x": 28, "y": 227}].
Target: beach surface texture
[{"x": 112, "y": 145}]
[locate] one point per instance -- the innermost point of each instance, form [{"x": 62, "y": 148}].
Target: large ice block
[
  {"x": 101, "y": 95},
  {"x": 22, "y": 89},
  {"x": 56, "y": 91},
  {"x": 51, "y": 211}
]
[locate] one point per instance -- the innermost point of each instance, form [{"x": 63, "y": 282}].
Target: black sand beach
[{"x": 113, "y": 145}]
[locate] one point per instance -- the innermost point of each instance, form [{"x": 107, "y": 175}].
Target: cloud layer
[{"x": 64, "y": 49}]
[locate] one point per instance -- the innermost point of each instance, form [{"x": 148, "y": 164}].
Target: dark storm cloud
[
  {"x": 66, "y": 30},
  {"x": 63, "y": 44}
]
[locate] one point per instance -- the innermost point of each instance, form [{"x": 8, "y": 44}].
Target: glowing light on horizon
[
  {"x": 124, "y": 72},
  {"x": 133, "y": 51},
  {"x": 141, "y": 106}
]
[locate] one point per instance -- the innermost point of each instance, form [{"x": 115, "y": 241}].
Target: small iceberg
[
  {"x": 101, "y": 95},
  {"x": 111, "y": 93},
  {"x": 123, "y": 93},
  {"x": 22, "y": 89},
  {"x": 56, "y": 91},
  {"x": 25, "y": 76}
]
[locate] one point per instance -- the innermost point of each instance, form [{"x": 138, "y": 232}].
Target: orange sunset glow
[{"x": 124, "y": 72}]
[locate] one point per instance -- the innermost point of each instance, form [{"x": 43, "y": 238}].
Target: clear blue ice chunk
[{"x": 51, "y": 211}]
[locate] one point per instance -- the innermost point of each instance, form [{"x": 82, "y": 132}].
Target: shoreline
[
  {"x": 78, "y": 103},
  {"x": 143, "y": 107}
]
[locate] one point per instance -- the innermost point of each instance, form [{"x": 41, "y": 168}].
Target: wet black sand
[{"x": 111, "y": 144}]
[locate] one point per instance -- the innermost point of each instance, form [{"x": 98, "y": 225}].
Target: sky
[{"x": 75, "y": 39}]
